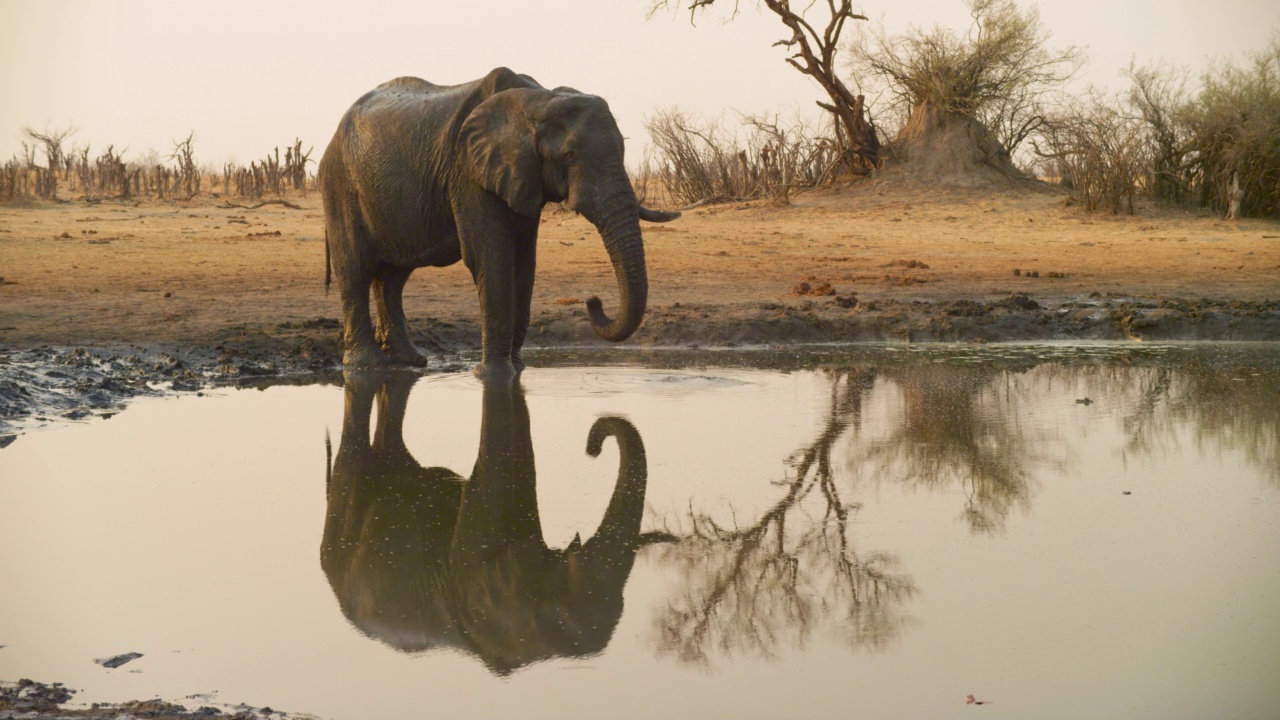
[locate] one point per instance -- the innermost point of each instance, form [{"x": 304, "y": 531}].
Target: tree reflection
[
  {"x": 1219, "y": 407},
  {"x": 791, "y": 574},
  {"x": 795, "y": 571},
  {"x": 960, "y": 425}
]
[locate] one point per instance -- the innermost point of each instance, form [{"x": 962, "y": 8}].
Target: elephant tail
[{"x": 328, "y": 266}]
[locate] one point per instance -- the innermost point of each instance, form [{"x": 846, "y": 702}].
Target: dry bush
[
  {"x": 1099, "y": 149},
  {"x": 175, "y": 175},
  {"x": 1216, "y": 147},
  {"x": 114, "y": 176},
  {"x": 697, "y": 161},
  {"x": 1159, "y": 95},
  {"x": 1235, "y": 127},
  {"x": 270, "y": 175},
  {"x": 997, "y": 76},
  {"x": 295, "y": 165}
]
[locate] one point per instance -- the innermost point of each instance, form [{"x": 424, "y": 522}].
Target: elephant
[
  {"x": 419, "y": 174},
  {"x": 421, "y": 558}
]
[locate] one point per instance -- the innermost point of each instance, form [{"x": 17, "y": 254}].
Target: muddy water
[{"x": 1061, "y": 531}]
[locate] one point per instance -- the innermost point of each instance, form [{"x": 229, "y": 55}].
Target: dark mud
[
  {"x": 48, "y": 385},
  {"x": 30, "y": 699}
]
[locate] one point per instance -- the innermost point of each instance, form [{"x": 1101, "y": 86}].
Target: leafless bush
[
  {"x": 13, "y": 181},
  {"x": 695, "y": 161},
  {"x": 114, "y": 178},
  {"x": 1158, "y": 94},
  {"x": 1100, "y": 149},
  {"x": 701, "y": 161},
  {"x": 295, "y": 165}
]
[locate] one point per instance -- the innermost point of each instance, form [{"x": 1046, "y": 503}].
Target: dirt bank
[{"x": 31, "y": 699}]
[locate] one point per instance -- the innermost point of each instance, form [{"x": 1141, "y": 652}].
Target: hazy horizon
[{"x": 249, "y": 77}]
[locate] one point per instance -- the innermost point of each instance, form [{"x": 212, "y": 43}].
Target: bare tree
[
  {"x": 47, "y": 181},
  {"x": 188, "y": 175},
  {"x": 816, "y": 45}
]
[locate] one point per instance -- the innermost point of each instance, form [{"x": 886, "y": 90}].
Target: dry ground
[{"x": 201, "y": 274}]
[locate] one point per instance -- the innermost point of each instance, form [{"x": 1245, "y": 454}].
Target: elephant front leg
[
  {"x": 392, "y": 331},
  {"x": 494, "y": 278},
  {"x": 526, "y": 261}
]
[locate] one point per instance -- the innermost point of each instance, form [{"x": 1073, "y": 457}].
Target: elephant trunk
[
  {"x": 612, "y": 549},
  {"x": 619, "y": 226}
]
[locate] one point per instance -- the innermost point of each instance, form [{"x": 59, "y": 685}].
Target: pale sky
[{"x": 248, "y": 76}]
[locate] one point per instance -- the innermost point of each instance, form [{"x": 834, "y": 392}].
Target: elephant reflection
[{"x": 421, "y": 558}]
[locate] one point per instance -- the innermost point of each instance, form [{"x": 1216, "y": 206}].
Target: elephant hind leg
[
  {"x": 347, "y": 241},
  {"x": 359, "y": 349},
  {"x": 392, "y": 331}
]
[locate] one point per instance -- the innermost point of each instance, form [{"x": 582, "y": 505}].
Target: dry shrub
[
  {"x": 1098, "y": 149},
  {"x": 1235, "y": 127},
  {"x": 966, "y": 100},
  {"x": 1158, "y": 94},
  {"x": 109, "y": 175},
  {"x": 1216, "y": 147},
  {"x": 698, "y": 161}
]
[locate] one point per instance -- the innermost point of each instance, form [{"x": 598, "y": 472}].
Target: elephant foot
[
  {"x": 496, "y": 374},
  {"x": 406, "y": 354},
  {"x": 368, "y": 356}
]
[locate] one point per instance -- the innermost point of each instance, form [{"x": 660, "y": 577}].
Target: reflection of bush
[
  {"x": 1219, "y": 407},
  {"x": 960, "y": 426}
]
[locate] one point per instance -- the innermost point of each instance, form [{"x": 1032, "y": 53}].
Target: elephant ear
[{"x": 499, "y": 145}]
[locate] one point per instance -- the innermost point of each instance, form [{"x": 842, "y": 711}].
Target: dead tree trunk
[{"x": 857, "y": 143}]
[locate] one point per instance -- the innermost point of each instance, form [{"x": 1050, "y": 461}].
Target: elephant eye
[{"x": 570, "y": 156}]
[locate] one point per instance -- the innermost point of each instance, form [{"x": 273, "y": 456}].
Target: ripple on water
[{"x": 585, "y": 382}]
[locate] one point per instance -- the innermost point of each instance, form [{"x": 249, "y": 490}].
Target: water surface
[{"x": 1064, "y": 531}]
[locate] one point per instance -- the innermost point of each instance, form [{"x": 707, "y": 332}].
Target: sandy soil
[{"x": 923, "y": 263}]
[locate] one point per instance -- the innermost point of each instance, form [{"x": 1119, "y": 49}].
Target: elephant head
[
  {"x": 531, "y": 146},
  {"x": 421, "y": 558}
]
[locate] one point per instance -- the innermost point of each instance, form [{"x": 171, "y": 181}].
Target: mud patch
[
  {"x": 46, "y": 385},
  {"x": 37, "y": 700}
]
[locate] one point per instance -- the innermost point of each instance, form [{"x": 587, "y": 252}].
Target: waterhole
[{"x": 1056, "y": 531}]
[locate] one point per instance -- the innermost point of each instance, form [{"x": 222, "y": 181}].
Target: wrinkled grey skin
[
  {"x": 420, "y": 557},
  {"x": 420, "y": 175}
]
